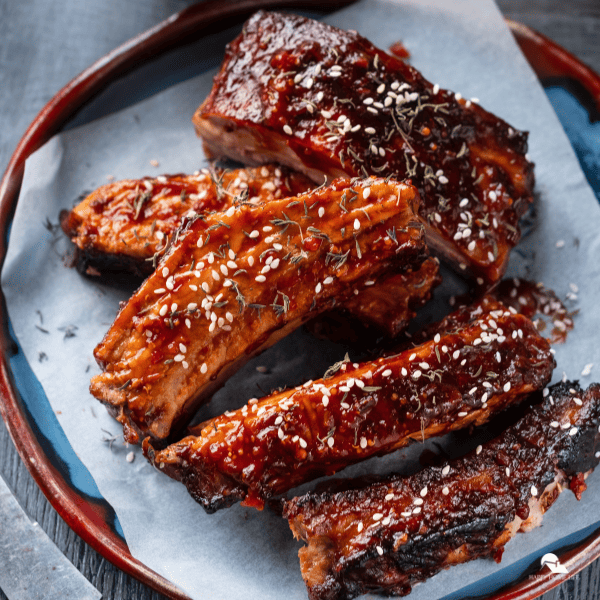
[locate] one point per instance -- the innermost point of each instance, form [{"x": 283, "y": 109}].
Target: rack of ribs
[
  {"x": 477, "y": 364},
  {"x": 327, "y": 102},
  {"x": 387, "y": 536},
  {"x": 122, "y": 225},
  {"x": 235, "y": 282}
]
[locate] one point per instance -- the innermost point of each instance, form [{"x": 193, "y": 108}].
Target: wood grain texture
[{"x": 34, "y": 72}]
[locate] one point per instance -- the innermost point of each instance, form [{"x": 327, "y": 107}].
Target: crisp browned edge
[{"x": 84, "y": 517}]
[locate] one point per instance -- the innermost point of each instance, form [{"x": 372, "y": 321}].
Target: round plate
[{"x": 32, "y": 425}]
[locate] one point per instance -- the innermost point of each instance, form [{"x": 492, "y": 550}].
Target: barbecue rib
[
  {"x": 387, "y": 536},
  {"x": 325, "y": 101},
  {"x": 235, "y": 282},
  {"x": 120, "y": 226},
  {"x": 470, "y": 370}
]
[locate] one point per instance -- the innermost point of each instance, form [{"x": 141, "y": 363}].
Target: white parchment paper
[{"x": 460, "y": 44}]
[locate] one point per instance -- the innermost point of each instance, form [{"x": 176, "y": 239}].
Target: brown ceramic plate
[{"x": 39, "y": 444}]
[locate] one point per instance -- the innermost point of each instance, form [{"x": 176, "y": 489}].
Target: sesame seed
[
  {"x": 437, "y": 338},
  {"x": 587, "y": 369},
  {"x": 506, "y": 387},
  {"x": 445, "y": 491},
  {"x": 573, "y": 431},
  {"x": 478, "y": 449},
  {"x": 254, "y": 234},
  {"x": 321, "y": 211},
  {"x": 507, "y": 471},
  {"x": 446, "y": 470},
  {"x": 179, "y": 357},
  {"x": 360, "y": 526},
  {"x": 386, "y": 373},
  {"x": 356, "y": 224},
  {"x": 418, "y": 501},
  {"x": 182, "y": 348},
  {"x": 251, "y": 261},
  {"x": 377, "y": 517},
  {"x": 416, "y": 374},
  {"x": 163, "y": 310},
  {"x": 389, "y": 496},
  {"x": 318, "y": 288},
  {"x": 160, "y": 291},
  {"x": 462, "y": 414},
  {"x": 534, "y": 491},
  {"x": 370, "y": 130},
  {"x": 416, "y": 510},
  {"x": 328, "y": 280},
  {"x": 456, "y": 354},
  {"x": 130, "y": 457},
  {"x": 363, "y": 442},
  {"x": 203, "y": 368},
  {"x": 380, "y": 550},
  {"x": 366, "y": 193},
  {"x": 260, "y": 278},
  {"x": 404, "y": 372},
  {"x": 424, "y": 492},
  {"x": 405, "y": 514}
]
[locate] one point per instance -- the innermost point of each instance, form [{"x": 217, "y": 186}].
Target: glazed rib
[
  {"x": 235, "y": 282},
  {"x": 387, "y": 536},
  {"x": 325, "y": 101},
  {"x": 120, "y": 226},
  {"x": 462, "y": 376}
]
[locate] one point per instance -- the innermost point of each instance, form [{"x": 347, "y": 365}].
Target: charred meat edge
[{"x": 386, "y": 537}]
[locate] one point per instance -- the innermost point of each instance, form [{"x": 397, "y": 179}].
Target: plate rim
[{"x": 81, "y": 515}]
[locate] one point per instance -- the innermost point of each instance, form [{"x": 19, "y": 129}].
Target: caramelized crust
[
  {"x": 326, "y": 101},
  {"x": 394, "y": 301},
  {"x": 235, "y": 282},
  {"x": 123, "y": 224},
  {"x": 471, "y": 369},
  {"x": 387, "y": 536}
]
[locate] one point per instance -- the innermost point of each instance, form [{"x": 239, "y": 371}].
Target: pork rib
[
  {"x": 235, "y": 282},
  {"x": 120, "y": 226},
  {"x": 461, "y": 377},
  {"x": 387, "y": 536},
  {"x": 325, "y": 101}
]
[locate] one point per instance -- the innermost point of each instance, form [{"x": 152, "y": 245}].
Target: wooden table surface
[{"x": 42, "y": 46}]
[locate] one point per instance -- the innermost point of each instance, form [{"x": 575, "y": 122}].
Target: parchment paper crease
[{"x": 460, "y": 44}]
